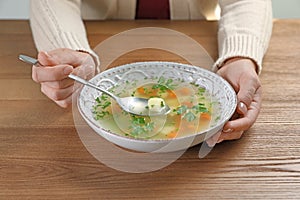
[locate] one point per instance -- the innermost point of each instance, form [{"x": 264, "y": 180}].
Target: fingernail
[
  {"x": 68, "y": 70},
  {"x": 227, "y": 130},
  {"x": 242, "y": 108}
]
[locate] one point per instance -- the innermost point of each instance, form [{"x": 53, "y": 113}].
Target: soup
[{"x": 193, "y": 110}]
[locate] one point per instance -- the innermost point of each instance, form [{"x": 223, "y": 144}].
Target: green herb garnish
[
  {"x": 200, "y": 108},
  {"x": 181, "y": 110},
  {"x": 100, "y": 109},
  {"x": 201, "y": 91},
  {"x": 189, "y": 116},
  {"x": 163, "y": 85},
  {"x": 140, "y": 126}
]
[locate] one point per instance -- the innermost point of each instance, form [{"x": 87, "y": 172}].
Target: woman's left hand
[{"x": 241, "y": 74}]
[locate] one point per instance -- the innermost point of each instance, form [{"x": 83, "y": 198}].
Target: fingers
[
  {"x": 83, "y": 64},
  {"x": 60, "y": 84},
  {"x": 241, "y": 74},
  {"x": 221, "y": 136},
  {"x": 241, "y": 109},
  {"x": 248, "y": 118},
  {"x": 240, "y": 124},
  {"x": 62, "y": 97},
  {"x": 247, "y": 91},
  {"x": 230, "y": 136},
  {"x": 46, "y": 60},
  {"x": 234, "y": 129},
  {"x": 85, "y": 72},
  {"x": 65, "y": 56},
  {"x": 56, "y": 94},
  {"x": 65, "y": 103},
  {"x": 53, "y": 74},
  {"x": 57, "y": 77},
  {"x": 48, "y": 74}
]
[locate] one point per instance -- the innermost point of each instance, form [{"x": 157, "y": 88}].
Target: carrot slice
[
  {"x": 205, "y": 116},
  {"x": 172, "y": 134},
  {"x": 141, "y": 90},
  {"x": 171, "y": 94}
]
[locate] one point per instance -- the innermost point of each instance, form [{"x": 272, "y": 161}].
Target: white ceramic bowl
[{"x": 217, "y": 86}]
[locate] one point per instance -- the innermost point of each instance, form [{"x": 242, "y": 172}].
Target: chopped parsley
[
  {"x": 100, "y": 109},
  {"x": 140, "y": 126},
  {"x": 190, "y": 114},
  {"x": 164, "y": 84},
  {"x": 181, "y": 110},
  {"x": 200, "y": 108},
  {"x": 201, "y": 91}
]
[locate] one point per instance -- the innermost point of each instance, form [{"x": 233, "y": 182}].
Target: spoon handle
[
  {"x": 87, "y": 83},
  {"x": 29, "y": 60}
]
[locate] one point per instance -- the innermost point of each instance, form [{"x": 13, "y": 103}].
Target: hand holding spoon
[{"x": 132, "y": 105}]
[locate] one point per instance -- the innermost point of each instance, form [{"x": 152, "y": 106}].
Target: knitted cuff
[{"x": 244, "y": 46}]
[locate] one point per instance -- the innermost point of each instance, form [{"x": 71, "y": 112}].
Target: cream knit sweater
[{"x": 245, "y": 26}]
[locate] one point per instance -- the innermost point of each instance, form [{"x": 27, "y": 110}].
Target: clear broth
[{"x": 193, "y": 110}]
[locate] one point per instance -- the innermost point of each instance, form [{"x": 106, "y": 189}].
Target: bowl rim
[{"x": 120, "y": 67}]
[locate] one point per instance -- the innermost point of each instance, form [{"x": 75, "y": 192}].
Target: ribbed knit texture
[
  {"x": 245, "y": 46},
  {"x": 57, "y": 24},
  {"x": 244, "y": 28}
]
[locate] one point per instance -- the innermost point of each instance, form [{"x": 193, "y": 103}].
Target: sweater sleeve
[
  {"x": 58, "y": 24},
  {"x": 244, "y": 30}
]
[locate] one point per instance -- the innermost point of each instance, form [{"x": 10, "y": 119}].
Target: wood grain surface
[{"x": 42, "y": 157}]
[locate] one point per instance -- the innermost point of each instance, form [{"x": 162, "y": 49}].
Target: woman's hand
[
  {"x": 241, "y": 74},
  {"x": 53, "y": 74}
]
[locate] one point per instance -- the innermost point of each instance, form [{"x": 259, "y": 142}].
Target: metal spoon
[{"x": 133, "y": 105}]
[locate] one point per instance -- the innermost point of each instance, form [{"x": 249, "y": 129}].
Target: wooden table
[{"x": 42, "y": 156}]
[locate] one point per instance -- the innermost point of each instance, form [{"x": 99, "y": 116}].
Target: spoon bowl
[{"x": 133, "y": 105}]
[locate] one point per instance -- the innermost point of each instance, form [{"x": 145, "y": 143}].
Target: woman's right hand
[{"x": 53, "y": 74}]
